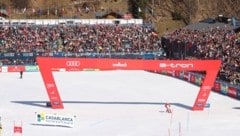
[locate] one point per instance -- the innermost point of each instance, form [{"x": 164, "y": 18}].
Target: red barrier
[
  {"x": 46, "y": 65},
  {"x": 192, "y": 78},
  {"x": 217, "y": 87},
  {"x": 16, "y": 68},
  {"x": 186, "y": 76},
  {"x": 177, "y": 74},
  {"x": 232, "y": 92}
]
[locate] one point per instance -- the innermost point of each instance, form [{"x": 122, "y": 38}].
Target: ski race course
[{"x": 114, "y": 103}]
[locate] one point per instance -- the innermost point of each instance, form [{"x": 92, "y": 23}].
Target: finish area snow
[{"x": 115, "y": 103}]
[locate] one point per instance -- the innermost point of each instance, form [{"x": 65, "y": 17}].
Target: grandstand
[
  {"x": 79, "y": 38},
  {"x": 208, "y": 40}
]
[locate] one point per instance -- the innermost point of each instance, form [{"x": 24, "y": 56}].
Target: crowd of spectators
[
  {"x": 214, "y": 43},
  {"x": 77, "y": 39}
]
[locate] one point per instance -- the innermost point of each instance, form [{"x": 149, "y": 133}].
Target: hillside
[{"x": 159, "y": 12}]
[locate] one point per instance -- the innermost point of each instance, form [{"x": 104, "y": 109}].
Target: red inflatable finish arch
[{"x": 47, "y": 65}]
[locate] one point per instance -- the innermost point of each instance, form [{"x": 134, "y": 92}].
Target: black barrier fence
[
  {"x": 29, "y": 57},
  {"x": 177, "y": 49},
  {"x": 174, "y": 49}
]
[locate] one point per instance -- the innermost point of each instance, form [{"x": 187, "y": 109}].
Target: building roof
[{"x": 209, "y": 23}]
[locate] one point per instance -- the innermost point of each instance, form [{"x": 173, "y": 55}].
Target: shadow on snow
[{"x": 44, "y": 103}]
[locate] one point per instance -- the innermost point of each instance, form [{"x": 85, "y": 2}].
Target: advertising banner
[
  {"x": 31, "y": 68},
  {"x": 54, "y": 119},
  {"x": 4, "y": 69},
  {"x": 224, "y": 88},
  {"x": 181, "y": 75},
  {"x": 232, "y": 92},
  {"x": 217, "y": 86},
  {"x": 186, "y": 76},
  {"x": 164, "y": 72},
  {"x": 177, "y": 74},
  {"x": 192, "y": 78},
  {"x": 16, "y": 68},
  {"x": 238, "y": 94},
  {"x": 198, "y": 80},
  {"x": 170, "y": 73}
]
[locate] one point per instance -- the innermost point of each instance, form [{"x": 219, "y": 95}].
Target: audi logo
[{"x": 73, "y": 63}]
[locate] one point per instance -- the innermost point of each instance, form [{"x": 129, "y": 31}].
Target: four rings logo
[
  {"x": 73, "y": 63},
  {"x": 177, "y": 65}
]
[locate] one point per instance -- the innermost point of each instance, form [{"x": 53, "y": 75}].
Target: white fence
[{"x": 68, "y": 21}]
